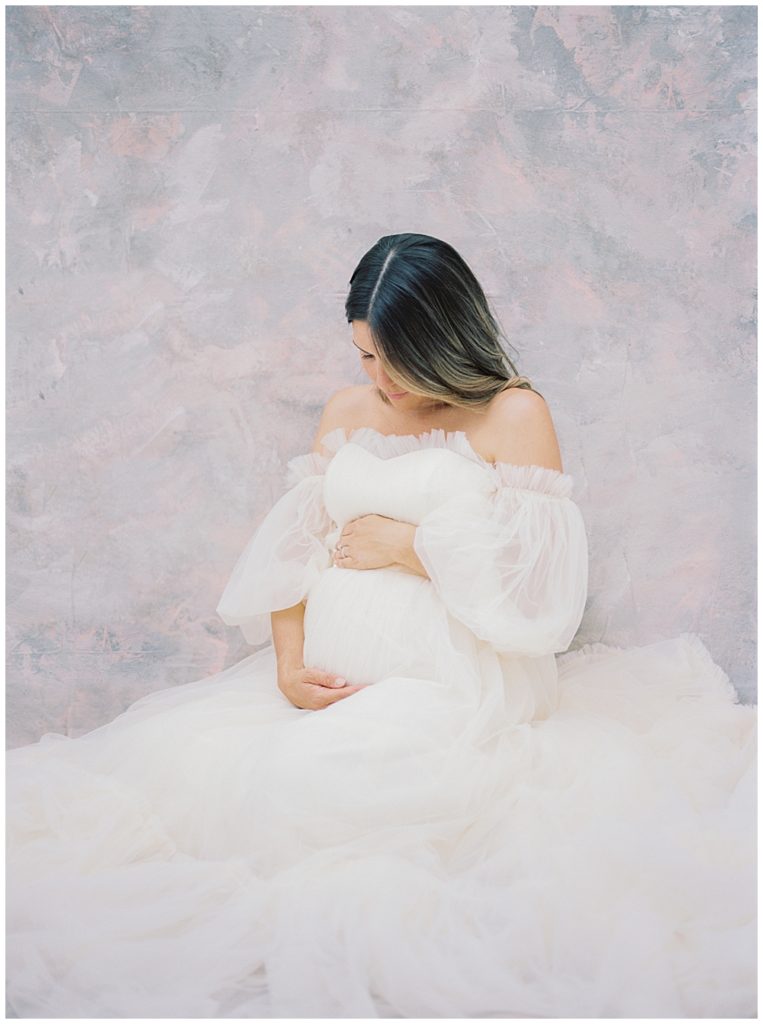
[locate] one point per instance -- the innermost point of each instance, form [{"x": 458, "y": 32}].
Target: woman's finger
[
  {"x": 339, "y": 694},
  {"x": 325, "y": 679}
]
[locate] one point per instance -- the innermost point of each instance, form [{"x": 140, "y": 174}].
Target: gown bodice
[{"x": 406, "y": 487}]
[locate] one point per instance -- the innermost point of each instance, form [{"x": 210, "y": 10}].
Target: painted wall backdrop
[{"x": 188, "y": 191}]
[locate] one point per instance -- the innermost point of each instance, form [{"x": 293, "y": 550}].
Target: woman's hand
[
  {"x": 372, "y": 542},
  {"x": 311, "y": 688}
]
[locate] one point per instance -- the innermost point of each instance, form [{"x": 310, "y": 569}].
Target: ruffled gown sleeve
[
  {"x": 511, "y": 565},
  {"x": 285, "y": 555}
]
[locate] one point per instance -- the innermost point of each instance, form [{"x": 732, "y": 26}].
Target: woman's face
[
  {"x": 410, "y": 404},
  {"x": 371, "y": 363}
]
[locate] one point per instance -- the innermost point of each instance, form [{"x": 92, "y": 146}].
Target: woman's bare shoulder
[
  {"x": 348, "y": 408},
  {"x": 522, "y": 430}
]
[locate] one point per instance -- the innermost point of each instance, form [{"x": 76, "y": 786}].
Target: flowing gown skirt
[{"x": 425, "y": 847}]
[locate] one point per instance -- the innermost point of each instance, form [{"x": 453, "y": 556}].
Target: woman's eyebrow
[{"x": 361, "y": 349}]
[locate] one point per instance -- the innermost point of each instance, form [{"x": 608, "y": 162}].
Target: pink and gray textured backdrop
[{"x": 189, "y": 189}]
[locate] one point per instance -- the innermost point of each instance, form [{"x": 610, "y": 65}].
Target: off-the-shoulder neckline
[
  {"x": 446, "y": 435},
  {"x": 527, "y": 477}
]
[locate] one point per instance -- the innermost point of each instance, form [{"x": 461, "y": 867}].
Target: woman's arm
[
  {"x": 375, "y": 542},
  {"x": 406, "y": 558},
  {"x": 307, "y": 688},
  {"x": 288, "y": 627}
]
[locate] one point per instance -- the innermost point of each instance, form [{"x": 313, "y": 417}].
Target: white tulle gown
[{"x": 491, "y": 827}]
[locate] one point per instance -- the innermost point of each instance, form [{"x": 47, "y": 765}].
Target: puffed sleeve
[
  {"x": 512, "y": 564},
  {"x": 285, "y": 555}
]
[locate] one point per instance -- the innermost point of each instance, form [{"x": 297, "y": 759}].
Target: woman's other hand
[
  {"x": 312, "y": 688},
  {"x": 372, "y": 542}
]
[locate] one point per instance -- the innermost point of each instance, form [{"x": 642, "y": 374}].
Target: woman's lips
[{"x": 399, "y": 394}]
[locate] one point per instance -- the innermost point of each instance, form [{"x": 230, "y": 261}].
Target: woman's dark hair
[{"x": 430, "y": 321}]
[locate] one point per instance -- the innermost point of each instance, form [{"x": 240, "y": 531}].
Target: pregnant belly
[{"x": 366, "y": 624}]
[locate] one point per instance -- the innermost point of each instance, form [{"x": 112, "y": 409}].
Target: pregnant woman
[{"x": 410, "y": 802}]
